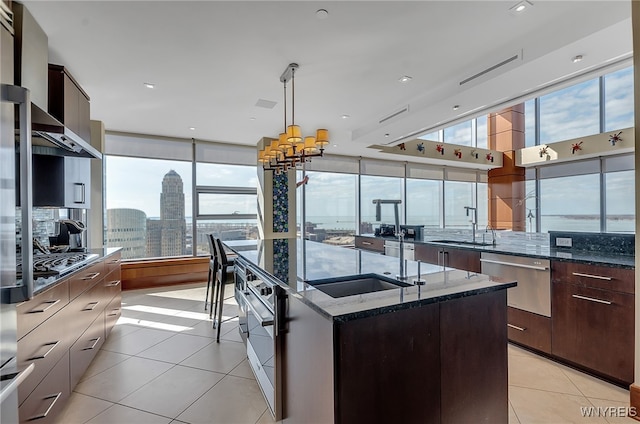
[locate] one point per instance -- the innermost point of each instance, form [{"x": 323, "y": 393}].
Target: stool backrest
[
  {"x": 220, "y": 253},
  {"x": 213, "y": 251}
]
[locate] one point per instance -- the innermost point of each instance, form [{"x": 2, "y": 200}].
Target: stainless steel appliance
[
  {"x": 533, "y": 292},
  {"x": 392, "y": 248},
  {"x": 70, "y": 234},
  {"x": 12, "y": 288},
  {"x": 264, "y": 305}
]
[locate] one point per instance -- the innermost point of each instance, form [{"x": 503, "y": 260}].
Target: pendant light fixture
[{"x": 291, "y": 149}]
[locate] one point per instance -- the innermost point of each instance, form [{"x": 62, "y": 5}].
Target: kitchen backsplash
[
  {"x": 43, "y": 223},
  {"x": 618, "y": 243}
]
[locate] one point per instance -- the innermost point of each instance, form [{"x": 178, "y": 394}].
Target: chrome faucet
[
  {"x": 493, "y": 234},
  {"x": 474, "y": 220},
  {"x": 398, "y": 232}
]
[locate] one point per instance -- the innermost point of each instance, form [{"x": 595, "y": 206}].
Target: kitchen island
[{"x": 420, "y": 353}]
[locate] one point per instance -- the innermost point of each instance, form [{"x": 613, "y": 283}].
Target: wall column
[{"x": 507, "y": 184}]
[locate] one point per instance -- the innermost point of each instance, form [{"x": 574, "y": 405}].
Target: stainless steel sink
[
  {"x": 354, "y": 285},
  {"x": 463, "y": 242}
]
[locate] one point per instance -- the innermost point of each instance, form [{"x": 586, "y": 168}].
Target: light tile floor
[{"x": 161, "y": 364}]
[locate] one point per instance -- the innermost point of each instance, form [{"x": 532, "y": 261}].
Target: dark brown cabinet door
[
  {"x": 427, "y": 253},
  {"x": 594, "y": 328},
  {"x": 467, "y": 260}
]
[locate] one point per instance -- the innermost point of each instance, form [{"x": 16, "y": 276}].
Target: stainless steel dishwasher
[
  {"x": 392, "y": 248},
  {"x": 533, "y": 292}
]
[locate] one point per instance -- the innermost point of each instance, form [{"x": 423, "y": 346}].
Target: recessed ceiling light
[
  {"x": 322, "y": 14},
  {"x": 149, "y": 85},
  {"x": 456, "y": 107},
  {"x": 386, "y": 135},
  {"x": 253, "y": 118},
  {"x": 577, "y": 58},
  {"x": 345, "y": 117},
  {"x": 405, "y": 78},
  {"x": 192, "y": 128},
  {"x": 519, "y": 8},
  {"x": 335, "y": 145}
]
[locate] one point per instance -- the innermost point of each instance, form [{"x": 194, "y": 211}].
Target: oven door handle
[{"x": 265, "y": 318}]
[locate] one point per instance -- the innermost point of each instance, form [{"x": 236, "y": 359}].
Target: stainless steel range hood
[{"x": 50, "y": 136}]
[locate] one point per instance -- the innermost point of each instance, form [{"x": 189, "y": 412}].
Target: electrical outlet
[{"x": 563, "y": 242}]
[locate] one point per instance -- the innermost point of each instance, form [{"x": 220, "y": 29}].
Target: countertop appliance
[
  {"x": 533, "y": 292},
  {"x": 263, "y": 306},
  {"x": 70, "y": 234},
  {"x": 413, "y": 231},
  {"x": 12, "y": 289},
  {"x": 386, "y": 230}
]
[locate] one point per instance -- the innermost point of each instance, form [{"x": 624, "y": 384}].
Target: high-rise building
[
  {"x": 126, "y": 228},
  {"x": 168, "y": 235}
]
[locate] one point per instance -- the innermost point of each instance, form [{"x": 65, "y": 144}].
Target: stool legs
[{"x": 206, "y": 296}]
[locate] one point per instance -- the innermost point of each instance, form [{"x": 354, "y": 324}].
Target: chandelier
[{"x": 290, "y": 149}]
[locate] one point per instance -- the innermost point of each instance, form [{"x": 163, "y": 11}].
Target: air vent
[
  {"x": 267, "y": 104},
  {"x": 490, "y": 69},
  {"x": 394, "y": 114}
]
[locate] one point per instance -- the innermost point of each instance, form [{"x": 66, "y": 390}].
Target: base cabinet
[
  {"x": 438, "y": 363},
  {"x": 529, "y": 329},
  {"x": 48, "y": 399},
  {"x": 62, "y": 336},
  {"x": 464, "y": 259},
  {"x": 593, "y": 328}
]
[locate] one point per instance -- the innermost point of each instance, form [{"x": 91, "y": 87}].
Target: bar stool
[
  {"x": 224, "y": 276},
  {"x": 211, "y": 277}
]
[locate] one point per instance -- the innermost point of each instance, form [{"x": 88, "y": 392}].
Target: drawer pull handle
[
  {"x": 491, "y": 261},
  {"x": 113, "y": 283},
  {"x": 114, "y": 313},
  {"x": 44, "y": 355},
  {"x": 91, "y": 306},
  {"x": 597, "y": 277},
  {"x": 90, "y": 276},
  {"x": 49, "y": 304},
  {"x": 366, "y": 243},
  {"x": 114, "y": 261},
  {"x": 591, "y": 299},
  {"x": 93, "y": 345},
  {"x": 515, "y": 327},
  {"x": 44, "y": 415}
]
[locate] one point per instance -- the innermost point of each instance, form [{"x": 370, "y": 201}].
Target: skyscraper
[
  {"x": 168, "y": 235},
  {"x": 126, "y": 228}
]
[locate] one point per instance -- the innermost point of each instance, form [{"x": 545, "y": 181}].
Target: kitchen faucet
[
  {"x": 493, "y": 234},
  {"x": 398, "y": 233},
  {"x": 474, "y": 220}
]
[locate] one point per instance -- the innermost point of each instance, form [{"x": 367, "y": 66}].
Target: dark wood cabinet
[
  {"x": 60, "y": 330},
  {"x": 68, "y": 102},
  {"x": 62, "y": 181},
  {"x": 416, "y": 365},
  {"x": 529, "y": 329},
  {"x": 465, "y": 259},
  {"x": 593, "y": 327},
  {"x": 373, "y": 244}
]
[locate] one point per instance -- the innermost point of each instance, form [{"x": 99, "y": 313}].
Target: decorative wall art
[
  {"x": 615, "y": 138},
  {"x": 458, "y": 153},
  {"x": 575, "y": 147},
  {"x": 440, "y": 149}
]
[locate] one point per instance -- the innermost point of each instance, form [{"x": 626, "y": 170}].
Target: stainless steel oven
[{"x": 263, "y": 304}]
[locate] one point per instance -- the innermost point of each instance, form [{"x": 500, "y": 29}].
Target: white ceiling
[{"x": 212, "y": 61}]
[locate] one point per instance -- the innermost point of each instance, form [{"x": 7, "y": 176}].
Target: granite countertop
[
  {"x": 317, "y": 261},
  {"x": 522, "y": 244}
]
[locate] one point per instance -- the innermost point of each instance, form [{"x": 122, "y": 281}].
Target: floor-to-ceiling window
[
  {"x": 331, "y": 207},
  {"x": 424, "y": 202},
  {"x": 375, "y": 187}
]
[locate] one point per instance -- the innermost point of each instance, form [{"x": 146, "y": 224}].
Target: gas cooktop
[{"x": 57, "y": 264}]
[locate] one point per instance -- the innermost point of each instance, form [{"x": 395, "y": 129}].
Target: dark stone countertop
[
  {"x": 322, "y": 261},
  {"x": 535, "y": 245}
]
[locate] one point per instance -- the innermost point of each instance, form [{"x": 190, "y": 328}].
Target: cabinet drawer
[
  {"x": 85, "y": 279},
  {"x": 44, "y": 347},
  {"x": 85, "y": 348},
  {"x": 597, "y": 276},
  {"x": 112, "y": 262},
  {"x": 35, "y": 311},
  {"x": 112, "y": 312},
  {"x": 112, "y": 284},
  {"x": 370, "y": 243},
  {"x": 529, "y": 329},
  {"x": 462, "y": 259},
  {"x": 594, "y": 328},
  {"x": 49, "y": 398},
  {"x": 82, "y": 311}
]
